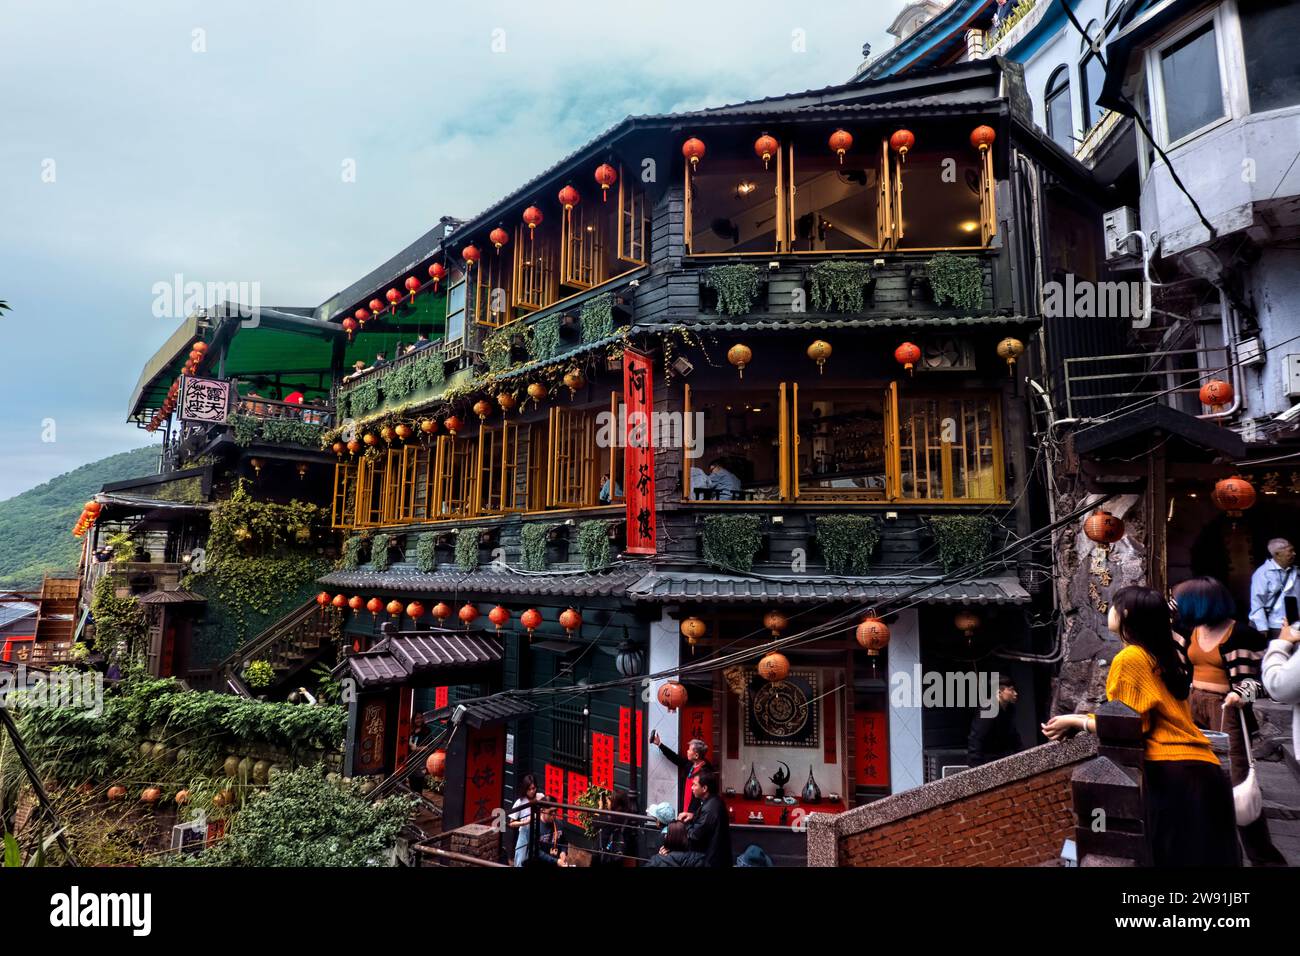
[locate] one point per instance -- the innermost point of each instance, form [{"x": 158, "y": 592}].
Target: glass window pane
[
  {"x": 1193, "y": 95},
  {"x": 834, "y": 202},
  {"x": 733, "y": 206},
  {"x": 456, "y": 312},
  {"x": 1269, "y": 29},
  {"x": 841, "y": 448},
  {"x": 1060, "y": 121},
  {"x": 1094, "y": 77},
  {"x": 741, "y": 445}
]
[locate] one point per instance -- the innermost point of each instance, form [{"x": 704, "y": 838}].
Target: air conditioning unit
[
  {"x": 1117, "y": 224},
  {"x": 1293, "y": 376}
]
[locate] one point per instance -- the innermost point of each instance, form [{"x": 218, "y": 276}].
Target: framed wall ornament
[
  {"x": 782, "y": 713},
  {"x": 204, "y": 400}
]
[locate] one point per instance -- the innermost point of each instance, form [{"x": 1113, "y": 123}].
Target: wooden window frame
[
  {"x": 582, "y": 250},
  {"x": 345, "y": 480},
  {"x": 498, "y": 451},
  {"x": 950, "y": 450},
  {"x": 455, "y": 478},
  {"x": 530, "y": 292},
  {"x": 634, "y": 221},
  {"x": 494, "y": 271},
  {"x": 572, "y": 437}
]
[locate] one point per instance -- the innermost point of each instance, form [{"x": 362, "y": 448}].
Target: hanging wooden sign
[{"x": 638, "y": 452}]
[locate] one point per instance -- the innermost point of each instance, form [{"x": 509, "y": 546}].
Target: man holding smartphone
[
  {"x": 1280, "y": 669},
  {"x": 1270, "y": 584}
]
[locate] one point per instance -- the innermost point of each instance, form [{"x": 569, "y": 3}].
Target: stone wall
[{"x": 1017, "y": 811}]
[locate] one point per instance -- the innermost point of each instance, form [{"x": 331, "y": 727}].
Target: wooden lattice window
[
  {"x": 950, "y": 449},
  {"x": 633, "y": 223},
  {"x": 497, "y": 455},
  {"x": 574, "y": 459},
  {"x": 343, "y": 508},
  {"x": 582, "y": 247},
  {"x": 534, "y": 282},
  {"x": 492, "y": 278},
  {"x": 455, "y": 464}
]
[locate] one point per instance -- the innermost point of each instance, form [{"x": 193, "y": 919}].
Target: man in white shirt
[{"x": 1269, "y": 586}]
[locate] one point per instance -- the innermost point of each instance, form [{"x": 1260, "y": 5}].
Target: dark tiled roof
[
  {"x": 680, "y": 586},
  {"x": 11, "y": 611},
  {"x": 446, "y": 584},
  {"x": 492, "y": 710},
  {"x": 177, "y": 596},
  {"x": 399, "y": 657}
]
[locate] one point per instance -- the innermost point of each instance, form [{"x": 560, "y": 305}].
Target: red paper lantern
[
  {"x": 394, "y": 297},
  {"x": 415, "y": 610},
  {"x": 672, "y": 695},
  {"x": 437, "y": 272},
  {"x": 765, "y": 148},
  {"x": 531, "y": 620},
  {"x": 354, "y": 446},
  {"x": 468, "y": 614},
  {"x": 441, "y": 611},
  {"x": 376, "y": 306},
  {"x": 570, "y": 620},
  {"x": 569, "y": 198},
  {"x": 196, "y": 357},
  {"x": 412, "y": 286},
  {"x": 607, "y": 176},
  {"x": 403, "y": 431},
  {"x": 323, "y": 598},
  {"x": 428, "y": 426},
  {"x": 94, "y": 507},
  {"x": 693, "y": 150},
  {"x": 982, "y": 137},
  {"x": 499, "y": 237},
  {"x": 1216, "y": 393},
  {"x": 471, "y": 255},
  {"x": 907, "y": 355},
  {"x": 394, "y": 607},
  {"x": 452, "y": 424},
  {"x": 374, "y": 605},
  {"x": 200, "y": 346},
  {"x": 873, "y": 634},
  {"x": 902, "y": 141},
  {"x": 361, "y": 315},
  {"x": 498, "y": 616},
  {"x": 841, "y": 141},
  {"x": 436, "y": 765},
  {"x": 356, "y": 603},
  {"x": 339, "y": 601},
  {"x": 774, "y": 667},
  {"x": 482, "y": 408},
  {"x": 533, "y": 216},
  {"x": 1103, "y": 527},
  {"x": 349, "y": 326},
  {"x": 1234, "y": 495}
]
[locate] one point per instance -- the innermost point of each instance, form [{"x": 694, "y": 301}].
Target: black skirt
[{"x": 1190, "y": 817}]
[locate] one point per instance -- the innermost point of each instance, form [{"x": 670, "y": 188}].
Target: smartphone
[{"x": 1292, "y": 609}]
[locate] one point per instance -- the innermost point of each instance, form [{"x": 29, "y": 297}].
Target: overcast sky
[{"x": 148, "y": 138}]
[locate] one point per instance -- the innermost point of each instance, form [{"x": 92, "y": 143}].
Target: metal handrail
[{"x": 1155, "y": 364}]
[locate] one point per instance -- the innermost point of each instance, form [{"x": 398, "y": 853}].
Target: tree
[{"x": 303, "y": 820}]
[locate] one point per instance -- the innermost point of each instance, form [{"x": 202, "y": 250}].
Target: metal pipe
[{"x": 1227, "y": 316}]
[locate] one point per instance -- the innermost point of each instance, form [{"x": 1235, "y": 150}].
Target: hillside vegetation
[{"x": 36, "y": 526}]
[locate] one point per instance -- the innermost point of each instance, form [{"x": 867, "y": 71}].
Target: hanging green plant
[
  {"x": 594, "y": 797},
  {"x": 532, "y": 544},
  {"x": 400, "y": 381},
  {"x": 259, "y": 674},
  {"x": 290, "y": 431},
  {"x": 243, "y": 429},
  {"x": 736, "y": 285},
  {"x": 429, "y": 369},
  {"x": 496, "y": 349},
  {"x": 342, "y": 406},
  {"x": 118, "y": 620},
  {"x": 353, "y": 552},
  {"x": 732, "y": 541},
  {"x": 957, "y": 280},
  {"x": 379, "y": 546},
  {"x": 838, "y": 285},
  {"x": 594, "y": 544},
  {"x": 364, "y": 396},
  {"x": 426, "y": 553},
  {"x": 467, "y": 549},
  {"x": 597, "y": 318},
  {"x": 847, "y": 542},
  {"x": 545, "y": 342},
  {"x": 962, "y": 539}
]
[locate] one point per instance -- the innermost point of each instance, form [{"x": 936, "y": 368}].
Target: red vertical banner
[
  {"x": 405, "y": 702},
  {"x": 638, "y": 453},
  {"x": 602, "y": 760},
  {"x": 577, "y": 786},
  {"x": 871, "y": 729},
  {"x": 484, "y": 772},
  {"x": 554, "y": 788},
  {"x": 625, "y": 735},
  {"x": 439, "y": 698},
  {"x": 372, "y": 722},
  {"x": 640, "y": 738},
  {"x": 697, "y": 724}
]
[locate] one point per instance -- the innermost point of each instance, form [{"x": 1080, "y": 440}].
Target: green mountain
[{"x": 36, "y": 526}]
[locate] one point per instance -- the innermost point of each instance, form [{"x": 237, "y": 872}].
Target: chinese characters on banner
[
  {"x": 872, "y": 734},
  {"x": 577, "y": 787},
  {"x": 484, "y": 766},
  {"x": 602, "y": 760},
  {"x": 554, "y": 783},
  {"x": 697, "y": 724},
  {"x": 439, "y": 698},
  {"x": 372, "y": 722},
  {"x": 638, "y": 455},
  {"x": 204, "y": 400},
  {"x": 625, "y": 735}
]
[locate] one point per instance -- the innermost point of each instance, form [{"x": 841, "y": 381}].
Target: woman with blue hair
[{"x": 1224, "y": 656}]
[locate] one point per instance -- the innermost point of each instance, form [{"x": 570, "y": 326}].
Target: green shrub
[
  {"x": 732, "y": 541},
  {"x": 847, "y": 542}
]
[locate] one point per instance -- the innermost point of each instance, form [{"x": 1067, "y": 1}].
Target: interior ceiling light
[{"x": 969, "y": 225}]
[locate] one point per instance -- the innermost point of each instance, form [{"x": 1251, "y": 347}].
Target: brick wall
[{"x": 1021, "y": 824}]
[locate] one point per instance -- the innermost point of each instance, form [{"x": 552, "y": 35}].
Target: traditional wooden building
[{"x": 716, "y": 378}]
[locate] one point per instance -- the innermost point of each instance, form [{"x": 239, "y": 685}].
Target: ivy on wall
[
  {"x": 732, "y": 541},
  {"x": 496, "y": 349},
  {"x": 118, "y": 620},
  {"x": 532, "y": 541},
  {"x": 467, "y": 549},
  {"x": 426, "y": 552},
  {"x": 847, "y": 542},
  {"x": 594, "y": 544},
  {"x": 838, "y": 285},
  {"x": 736, "y": 285},
  {"x": 379, "y": 557},
  {"x": 962, "y": 539},
  {"x": 957, "y": 280},
  {"x": 279, "y": 431},
  {"x": 354, "y": 549},
  {"x": 546, "y": 338},
  {"x": 597, "y": 318}
]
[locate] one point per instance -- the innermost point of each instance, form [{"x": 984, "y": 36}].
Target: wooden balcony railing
[{"x": 266, "y": 408}]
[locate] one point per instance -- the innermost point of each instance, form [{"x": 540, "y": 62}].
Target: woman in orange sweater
[{"x": 1190, "y": 819}]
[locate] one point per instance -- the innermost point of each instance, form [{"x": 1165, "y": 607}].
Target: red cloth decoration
[{"x": 602, "y": 760}]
